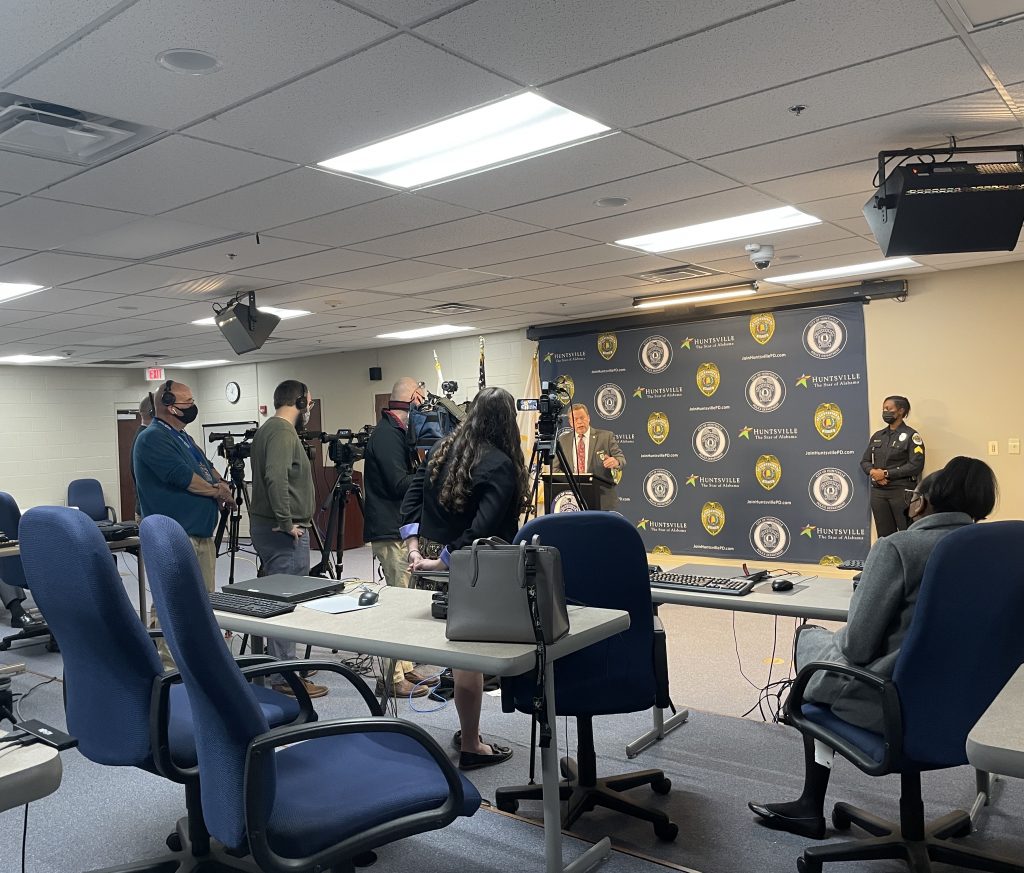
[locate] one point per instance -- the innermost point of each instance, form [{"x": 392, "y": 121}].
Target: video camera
[
  {"x": 554, "y": 397},
  {"x": 449, "y": 387},
  {"x": 234, "y": 453},
  {"x": 345, "y": 447}
]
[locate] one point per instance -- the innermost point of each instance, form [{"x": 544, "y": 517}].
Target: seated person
[
  {"x": 881, "y": 609},
  {"x": 14, "y": 601}
]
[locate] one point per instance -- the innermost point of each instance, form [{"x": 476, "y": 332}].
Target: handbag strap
[{"x": 491, "y": 543}]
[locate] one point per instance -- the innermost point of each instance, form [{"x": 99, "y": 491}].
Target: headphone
[
  {"x": 300, "y": 401},
  {"x": 167, "y": 397}
]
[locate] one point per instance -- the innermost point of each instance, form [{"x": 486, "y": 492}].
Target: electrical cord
[{"x": 21, "y": 697}]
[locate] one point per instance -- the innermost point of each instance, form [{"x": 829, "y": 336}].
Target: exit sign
[{"x": 155, "y": 374}]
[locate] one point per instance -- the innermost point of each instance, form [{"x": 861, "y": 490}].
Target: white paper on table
[{"x": 337, "y": 604}]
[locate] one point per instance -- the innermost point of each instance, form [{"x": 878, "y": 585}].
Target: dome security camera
[{"x": 760, "y": 255}]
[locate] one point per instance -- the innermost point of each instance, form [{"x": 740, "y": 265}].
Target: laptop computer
[{"x": 290, "y": 589}]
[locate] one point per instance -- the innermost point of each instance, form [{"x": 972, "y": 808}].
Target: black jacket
[
  {"x": 387, "y": 475},
  {"x": 899, "y": 452},
  {"x": 491, "y": 511}
]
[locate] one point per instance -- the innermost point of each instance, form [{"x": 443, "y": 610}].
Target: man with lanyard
[
  {"x": 387, "y": 474},
  {"x": 174, "y": 478}
]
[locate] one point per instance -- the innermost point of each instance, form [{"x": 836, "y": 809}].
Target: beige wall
[{"x": 955, "y": 348}]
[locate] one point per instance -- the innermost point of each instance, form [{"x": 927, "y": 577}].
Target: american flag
[
  {"x": 481, "y": 381},
  {"x": 440, "y": 377}
]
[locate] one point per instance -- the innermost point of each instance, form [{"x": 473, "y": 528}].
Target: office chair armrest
[
  {"x": 259, "y": 802},
  {"x": 111, "y": 513},
  {"x": 289, "y": 669},
  {"x": 892, "y": 718},
  {"x": 155, "y": 633}
]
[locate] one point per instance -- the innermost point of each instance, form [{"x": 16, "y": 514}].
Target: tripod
[
  {"x": 230, "y": 518},
  {"x": 332, "y": 565},
  {"x": 544, "y": 447}
]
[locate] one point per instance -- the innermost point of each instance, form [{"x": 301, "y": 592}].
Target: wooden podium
[{"x": 558, "y": 496}]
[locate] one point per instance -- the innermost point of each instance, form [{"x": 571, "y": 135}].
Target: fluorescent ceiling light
[
  {"x": 189, "y": 365},
  {"x": 14, "y": 290},
  {"x": 500, "y": 133},
  {"x": 732, "y": 292},
  {"x": 283, "y": 314},
  {"x": 419, "y": 332},
  {"x": 838, "y": 272},
  {"x": 29, "y": 359},
  {"x": 723, "y": 230}
]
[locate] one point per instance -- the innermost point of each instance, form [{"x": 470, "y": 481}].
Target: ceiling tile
[
  {"x": 259, "y": 42},
  {"x": 7, "y": 255},
  {"x": 492, "y": 292},
  {"x": 407, "y": 11},
  {"x": 832, "y": 208},
  {"x": 1001, "y": 47},
  {"x": 51, "y": 268},
  {"x": 445, "y": 237},
  {"x": 321, "y": 299},
  {"x": 543, "y": 243},
  {"x": 146, "y": 238},
  {"x": 561, "y": 261},
  {"x": 602, "y": 271},
  {"x": 384, "y": 274},
  {"x": 391, "y": 88},
  {"x": 60, "y": 300},
  {"x": 207, "y": 288},
  {"x": 836, "y": 181},
  {"x": 240, "y": 254},
  {"x": 396, "y": 214},
  {"x": 44, "y": 224},
  {"x": 24, "y": 174},
  {"x": 784, "y": 43},
  {"x": 437, "y": 282},
  {"x": 140, "y": 277},
  {"x": 133, "y": 306},
  {"x": 323, "y": 263},
  {"x": 290, "y": 197},
  {"x": 171, "y": 172},
  {"x": 64, "y": 321}
]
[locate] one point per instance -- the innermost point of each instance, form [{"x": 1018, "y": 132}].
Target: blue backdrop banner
[{"x": 742, "y": 435}]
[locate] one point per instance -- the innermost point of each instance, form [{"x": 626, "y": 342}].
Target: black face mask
[
  {"x": 188, "y": 414},
  {"x": 888, "y": 417}
]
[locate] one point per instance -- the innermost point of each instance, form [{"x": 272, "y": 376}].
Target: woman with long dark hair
[{"x": 474, "y": 484}]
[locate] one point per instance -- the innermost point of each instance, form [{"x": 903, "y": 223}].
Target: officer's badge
[
  {"x": 712, "y": 516},
  {"x": 607, "y": 345},
  {"x": 828, "y": 420},
  {"x": 616, "y": 475},
  {"x": 566, "y": 383},
  {"x": 768, "y": 471},
  {"x": 762, "y": 327},
  {"x": 830, "y": 561},
  {"x": 661, "y": 550},
  {"x": 708, "y": 378},
  {"x": 657, "y": 427}
]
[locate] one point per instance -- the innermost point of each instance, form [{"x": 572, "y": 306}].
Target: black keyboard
[
  {"x": 243, "y": 604},
  {"x": 8, "y": 544},
  {"x": 852, "y": 565},
  {"x": 711, "y": 584}
]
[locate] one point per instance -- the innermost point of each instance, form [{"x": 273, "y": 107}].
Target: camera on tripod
[
  {"x": 449, "y": 387},
  {"x": 554, "y": 397},
  {"x": 346, "y": 446},
  {"x": 232, "y": 452}
]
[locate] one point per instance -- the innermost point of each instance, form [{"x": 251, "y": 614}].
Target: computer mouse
[
  {"x": 782, "y": 584},
  {"x": 368, "y": 598}
]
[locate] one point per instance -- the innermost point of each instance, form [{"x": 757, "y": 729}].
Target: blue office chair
[
  {"x": 605, "y": 565},
  {"x": 13, "y": 574},
  {"x": 304, "y": 798},
  {"x": 120, "y": 705},
  {"x": 87, "y": 495},
  {"x": 963, "y": 645}
]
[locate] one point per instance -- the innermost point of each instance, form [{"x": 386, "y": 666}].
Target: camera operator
[
  {"x": 387, "y": 474},
  {"x": 174, "y": 478},
  {"x": 595, "y": 451},
  {"x": 283, "y": 501}
]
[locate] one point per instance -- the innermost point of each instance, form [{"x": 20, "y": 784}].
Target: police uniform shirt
[{"x": 899, "y": 452}]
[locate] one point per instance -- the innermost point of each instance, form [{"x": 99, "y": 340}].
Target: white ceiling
[{"x": 698, "y": 94}]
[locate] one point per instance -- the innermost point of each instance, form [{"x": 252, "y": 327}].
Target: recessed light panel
[
  {"x": 14, "y": 290},
  {"x": 29, "y": 359},
  {"x": 421, "y": 332},
  {"x": 191, "y": 365},
  {"x": 725, "y": 229},
  {"x": 887, "y": 265}
]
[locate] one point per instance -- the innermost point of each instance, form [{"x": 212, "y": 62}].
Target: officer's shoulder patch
[
  {"x": 917, "y": 439},
  {"x": 918, "y": 450}
]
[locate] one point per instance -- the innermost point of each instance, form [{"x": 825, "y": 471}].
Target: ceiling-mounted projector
[
  {"x": 243, "y": 325},
  {"x": 936, "y": 207}
]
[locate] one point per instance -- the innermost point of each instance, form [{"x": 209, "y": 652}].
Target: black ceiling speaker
[
  {"x": 244, "y": 326},
  {"x": 936, "y": 207}
]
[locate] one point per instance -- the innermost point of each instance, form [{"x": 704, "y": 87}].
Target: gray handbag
[{"x": 500, "y": 593}]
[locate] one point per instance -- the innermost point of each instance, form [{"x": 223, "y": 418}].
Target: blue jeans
[{"x": 279, "y": 553}]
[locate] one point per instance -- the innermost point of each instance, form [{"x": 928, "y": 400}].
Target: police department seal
[
  {"x": 710, "y": 441},
  {"x": 660, "y": 488},
  {"x": 609, "y": 401},
  {"x": 824, "y": 337},
  {"x": 769, "y": 536},
  {"x": 655, "y": 354},
  {"x": 830, "y": 489},
  {"x": 765, "y": 391}
]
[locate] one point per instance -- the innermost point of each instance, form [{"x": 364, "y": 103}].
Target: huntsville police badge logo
[
  {"x": 660, "y": 488},
  {"x": 712, "y": 516},
  {"x": 655, "y": 354},
  {"x": 765, "y": 391},
  {"x": 824, "y": 337},
  {"x": 769, "y": 536},
  {"x": 607, "y": 345},
  {"x": 762, "y": 327},
  {"x": 657, "y": 427},
  {"x": 661, "y": 550},
  {"x": 609, "y": 401},
  {"x": 566, "y": 384},
  {"x": 828, "y": 420},
  {"x": 830, "y": 489},
  {"x": 830, "y": 561},
  {"x": 768, "y": 471},
  {"x": 708, "y": 378},
  {"x": 565, "y": 502},
  {"x": 710, "y": 441}
]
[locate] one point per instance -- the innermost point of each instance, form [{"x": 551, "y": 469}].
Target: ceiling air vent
[
  {"x": 60, "y": 133},
  {"x": 452, "y": 309},
  {"x": 132, "y": 363},
  {"x": 676, "y": 274}
]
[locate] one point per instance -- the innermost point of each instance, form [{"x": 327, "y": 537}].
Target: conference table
[
  {"x": 400, "y": 626},
  {"x": 996, "y": 743},
  {"x": 124, "y": 545},
  {"x": 27, "y": 773}
]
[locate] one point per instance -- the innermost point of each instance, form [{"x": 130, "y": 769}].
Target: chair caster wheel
[
  {"x": 840, "y": 820},
  {"x": 174, "y": 842},
  {"x": 510, "y": 806},
  {"x": 666, "y": 831},
  {"x": 807, "y": 865},
  {"x": 661, "y": 786}
]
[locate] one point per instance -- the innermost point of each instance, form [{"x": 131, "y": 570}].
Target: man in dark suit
[{"x": 595, "y": 451}]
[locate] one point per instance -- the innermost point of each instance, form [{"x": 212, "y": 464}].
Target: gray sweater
[{"x": 880, "y": 613}]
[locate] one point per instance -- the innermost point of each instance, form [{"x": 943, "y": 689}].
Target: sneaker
[
  {"x": 405, "y": 688},
  {"x": 312, "y": 689}
]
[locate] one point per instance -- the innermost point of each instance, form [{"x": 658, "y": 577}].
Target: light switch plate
[{"x": 993, "y": 447}]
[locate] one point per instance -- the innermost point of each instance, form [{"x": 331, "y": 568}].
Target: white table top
[
  {"x": 27, "y": 773},
  {"x": 113, "y": 545},
  {"x": 400, "y": 626},
  {"x": 996, "y": 743}
]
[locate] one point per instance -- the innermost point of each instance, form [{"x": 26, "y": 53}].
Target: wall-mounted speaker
[{"x": 375, "y": 374}]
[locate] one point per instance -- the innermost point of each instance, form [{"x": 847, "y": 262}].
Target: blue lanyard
[{"x": 204, "y": 464}]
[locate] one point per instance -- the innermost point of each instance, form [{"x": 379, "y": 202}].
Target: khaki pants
[
  {"x": 206, "y": 552},
  {"x": 395, "y": 563}
]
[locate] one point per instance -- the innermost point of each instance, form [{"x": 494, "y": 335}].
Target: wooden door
[{"x": 128, "y": 423}]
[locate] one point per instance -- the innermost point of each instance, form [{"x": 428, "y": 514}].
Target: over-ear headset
[
  {"x": 300, "y": 401},
  {"x": 167, "y": 397}
]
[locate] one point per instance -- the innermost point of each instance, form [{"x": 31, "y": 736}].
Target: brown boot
[
  {"x": 312, "y": 689},
  {"x": 405, "y": 688}
]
